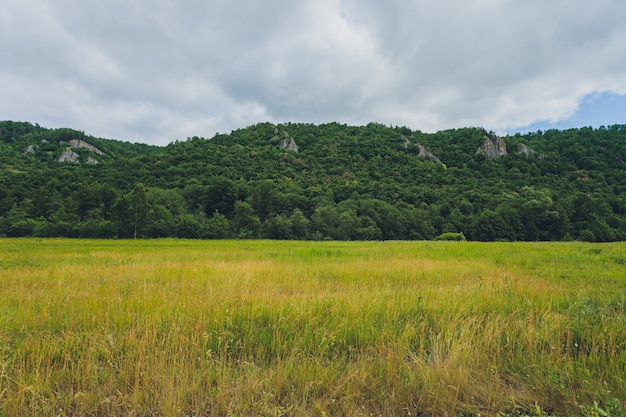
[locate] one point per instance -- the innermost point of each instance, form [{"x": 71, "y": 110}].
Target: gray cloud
[{"x": 156, "y": 71}]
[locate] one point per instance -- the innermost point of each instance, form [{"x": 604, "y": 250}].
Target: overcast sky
[{"x": 159, "y": 70}]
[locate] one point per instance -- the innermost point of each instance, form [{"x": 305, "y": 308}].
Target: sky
[{"x": 155, "y": 71}]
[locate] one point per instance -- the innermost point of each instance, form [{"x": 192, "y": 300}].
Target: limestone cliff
[
  {"x": 286, "y": 142},
  {"x": 425, "y": 154},
  {"x": 75, "y": 143},
  {"x": 492, "y": 149},
  {"x": 522, "y": 148},
  {"x": 68, "y": 155}
]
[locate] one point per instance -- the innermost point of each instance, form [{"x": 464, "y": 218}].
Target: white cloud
[{"x": 164, "y": 70}]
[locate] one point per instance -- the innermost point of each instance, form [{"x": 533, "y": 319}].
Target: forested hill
[{"x": 304, "y": 181}]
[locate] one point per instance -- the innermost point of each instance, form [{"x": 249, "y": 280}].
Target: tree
[
  {"x": 20, "y": 224},
  {"x": 278, "y": 227},
  {"x": 217, "y": 227},
  {"x": 189, "y": 226},
  {"x": 299, "y": 225},
  {"x": 368, "y": 230},
  {"x": 246, "y": 223},
  {"x": 265, "y": 198},
  {"x": 388, "y": 218},
  {"x": 220, "y": 195},
  {"x": 348, "y": 226},
  {"x": 490, "y": 226},
  {"x": 324, "y": 222},
  {"x": 160, "y": 222},
  {"x": 131, "y": 211},
  {"x": 193, "y": 193}
]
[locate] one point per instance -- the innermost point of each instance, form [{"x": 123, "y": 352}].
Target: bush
[{"x": 451, "y": 236}]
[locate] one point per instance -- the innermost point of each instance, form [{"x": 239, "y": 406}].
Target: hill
[{"x": 304, "y": 181}]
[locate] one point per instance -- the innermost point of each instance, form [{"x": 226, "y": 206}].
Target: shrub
[{"x": 451, "y": 236}]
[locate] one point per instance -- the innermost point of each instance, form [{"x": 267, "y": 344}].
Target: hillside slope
[{"x": 304, "y": 181}]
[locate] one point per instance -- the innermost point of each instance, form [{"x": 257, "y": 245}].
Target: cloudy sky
[{"x": 159, "y": 70}]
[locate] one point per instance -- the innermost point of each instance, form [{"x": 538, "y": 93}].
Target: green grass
[{"x": 240, "y": 328}]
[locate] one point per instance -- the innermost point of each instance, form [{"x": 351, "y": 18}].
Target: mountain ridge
[{"x": 328, "y": 181}]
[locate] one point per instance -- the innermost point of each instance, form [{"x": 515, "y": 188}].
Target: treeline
[{"x": 303, "y": 181}]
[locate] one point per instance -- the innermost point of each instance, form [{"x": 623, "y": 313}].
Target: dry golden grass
[{"x": 189, "y": 328}]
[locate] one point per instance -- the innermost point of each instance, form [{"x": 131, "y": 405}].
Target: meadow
[{"x": 275, "y": 328}]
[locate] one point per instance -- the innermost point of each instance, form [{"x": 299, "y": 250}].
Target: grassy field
[{"x": 244, "y": 328}]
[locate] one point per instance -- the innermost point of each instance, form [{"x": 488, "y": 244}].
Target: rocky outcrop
[
  {"x": 289, "y": 144},
  {"x": 75, "y": 143},
  {"x": 68, "y": 155},
  {"x": 425, "y": 154},
  {"x": 285, "y": 141},
  {"x": 29, "y": 149},
  {"x": 92, "y": 161},
  {"x": 492, "y": 149},
  {"x": 522, "y": 148}
]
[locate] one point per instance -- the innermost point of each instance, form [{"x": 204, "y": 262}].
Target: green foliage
[
  {"x": 490, "y": 226},
  {"x": 451, "y": 236},
  {"x": 344, "y": 183},
  {"x": 246, "y": 224},
  {"x": 612, "y": 408}
]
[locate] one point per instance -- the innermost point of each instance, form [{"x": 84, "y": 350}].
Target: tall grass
[{"x": 227, "y": 328}]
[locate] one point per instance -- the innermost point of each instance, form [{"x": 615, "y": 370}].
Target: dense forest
[{"x": 305, "y": 181}]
